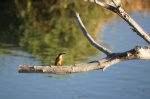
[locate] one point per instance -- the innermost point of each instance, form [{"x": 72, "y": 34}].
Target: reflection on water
[
  {"x": 128, "y": 79},
  {"x": 18, "y": 53}
]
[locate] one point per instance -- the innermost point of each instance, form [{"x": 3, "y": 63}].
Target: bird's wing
[{"x": 56, "y": 60}]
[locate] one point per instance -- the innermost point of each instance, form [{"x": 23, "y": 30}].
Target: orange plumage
[{"x": 58, "y": 61}]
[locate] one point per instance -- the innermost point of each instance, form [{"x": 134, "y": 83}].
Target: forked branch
[
  {"x": 120, "y": 11},
  {"x": 112, "y": 58}
]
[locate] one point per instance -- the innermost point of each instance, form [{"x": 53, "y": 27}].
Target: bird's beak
[{"x": 63, "y": 53}]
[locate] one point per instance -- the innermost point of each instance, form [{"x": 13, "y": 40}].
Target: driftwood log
[{"x": 138, "y": 52}]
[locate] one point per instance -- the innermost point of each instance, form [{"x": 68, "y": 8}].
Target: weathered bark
[
  {"x": 112, "y": 58},
  {"x": 136, "y": 53},
  {"x": 120, "y": 11},
  {"x": 89, "y": 38}
]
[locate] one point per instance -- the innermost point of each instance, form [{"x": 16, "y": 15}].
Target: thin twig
[{"x": 90, "y": 39}]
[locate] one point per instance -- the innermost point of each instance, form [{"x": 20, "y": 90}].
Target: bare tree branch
[
  {"x": 112, "y": 58},
  {"x": 135, "y": 53},
  {"x": 120, "y": 11},
  {"x": 89, "y": 38}
]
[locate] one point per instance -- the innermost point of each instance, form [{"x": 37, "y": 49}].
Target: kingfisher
[{"x": 58, "y": 61}]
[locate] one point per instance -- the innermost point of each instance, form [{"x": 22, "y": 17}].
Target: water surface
[{"x": 126, "y": 80}]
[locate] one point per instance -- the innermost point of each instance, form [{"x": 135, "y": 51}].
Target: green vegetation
[{"x": 47, "y": 27}]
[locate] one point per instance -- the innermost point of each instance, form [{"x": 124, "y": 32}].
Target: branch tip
[
  {"x": 95, "y": 1},
  {"x": 103, "y": 69},
  {"x": 117, "y": 3}
]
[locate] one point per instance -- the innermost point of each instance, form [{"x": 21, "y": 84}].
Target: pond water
[{"x": 126, "y": 80}]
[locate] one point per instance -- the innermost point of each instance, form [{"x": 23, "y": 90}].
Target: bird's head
[{"x": 61, "y": 54}]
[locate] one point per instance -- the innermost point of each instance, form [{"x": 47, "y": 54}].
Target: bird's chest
[{"x": 60, "y": 60}]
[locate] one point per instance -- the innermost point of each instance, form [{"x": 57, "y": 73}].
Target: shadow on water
[
  {"x": 61, "y": 77},
  {"x": 57, "y": 77}
]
